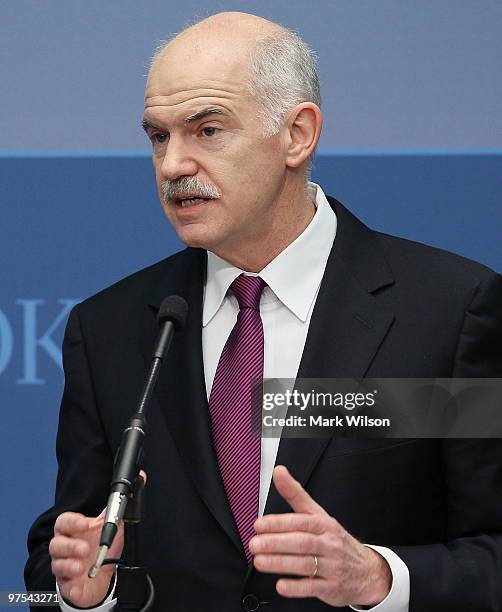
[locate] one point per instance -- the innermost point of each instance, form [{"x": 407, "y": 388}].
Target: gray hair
[{"x": 283, "y": 74}]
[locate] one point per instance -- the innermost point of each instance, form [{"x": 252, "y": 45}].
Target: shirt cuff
[
  {"x": 398, "y": 599},
  {"x": 107, "y": 605}
]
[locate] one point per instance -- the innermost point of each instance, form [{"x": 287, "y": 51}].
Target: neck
[{"x": 291, "y": 216}]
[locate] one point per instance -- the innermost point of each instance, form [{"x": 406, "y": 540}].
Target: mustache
[{"x": 172, "y": 190}]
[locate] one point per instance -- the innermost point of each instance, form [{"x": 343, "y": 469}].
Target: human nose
[{"x": 177, "y": 160}]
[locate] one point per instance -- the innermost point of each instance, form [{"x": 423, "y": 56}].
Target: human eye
[
  {"x": 158, "y": 137},
  {"x": 208, "y": 131}
]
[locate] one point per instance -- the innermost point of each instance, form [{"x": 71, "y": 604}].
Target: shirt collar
[{"x": 294, "y": 275}]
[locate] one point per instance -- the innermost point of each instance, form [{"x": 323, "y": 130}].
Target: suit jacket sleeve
[
  {"x": 465, "y": 572},
  {"x": 83, "y": 453}
]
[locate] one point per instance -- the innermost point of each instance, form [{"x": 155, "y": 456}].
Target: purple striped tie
[{"x": 234, "y": 414}]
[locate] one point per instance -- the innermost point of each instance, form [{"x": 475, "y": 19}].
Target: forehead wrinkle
[
  {"x": 164, "y": 107},
  {"x": 166, "y": 102},
  {"x": 180, "y": 97}
]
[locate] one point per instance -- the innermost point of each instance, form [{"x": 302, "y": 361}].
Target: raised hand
[
  {"x": 309, "y": 543},
  {"x": 73, "y": 550}
]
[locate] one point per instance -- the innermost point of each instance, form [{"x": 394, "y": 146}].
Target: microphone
[{"x": 171, "y": 317}]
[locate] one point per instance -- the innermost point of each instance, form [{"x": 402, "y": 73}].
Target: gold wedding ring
[{"x": 316, "y": 561}]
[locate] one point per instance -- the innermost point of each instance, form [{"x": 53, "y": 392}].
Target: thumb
[{"x": 293, "y": 492}]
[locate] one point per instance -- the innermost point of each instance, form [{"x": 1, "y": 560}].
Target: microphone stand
[
  {"x": 126, "y": 496},
  {"x": 134, "y": 586}
]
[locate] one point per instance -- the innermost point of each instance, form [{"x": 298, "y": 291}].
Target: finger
[
  {"x": 293, "y": 492},
  {"x": 303, "y": 587},
  {"x": 142, "y": 473},
  {"x": 295, "y": 565},
  {"x": 67, "y": 568},
  {"x": 291, "y": 543},
  {"x": 75, "y": 594},
  {"x": 63, "y": 547},
  {"x": 70, "y": 524},
  {"x": 280, "y": 523}
]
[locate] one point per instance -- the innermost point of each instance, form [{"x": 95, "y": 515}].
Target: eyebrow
[
  {"x": 203, "y": 113},
  {"x": 148, "y": 125}
]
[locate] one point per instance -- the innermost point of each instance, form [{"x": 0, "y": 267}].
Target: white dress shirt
[{"x": 293, "y": 279}]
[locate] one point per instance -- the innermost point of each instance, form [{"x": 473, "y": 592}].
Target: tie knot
[{"x": 248, "y": 290}]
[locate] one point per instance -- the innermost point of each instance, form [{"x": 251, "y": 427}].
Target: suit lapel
[
  {"x": 181, "y": 390},
  {"x": 347, "y": 327}
]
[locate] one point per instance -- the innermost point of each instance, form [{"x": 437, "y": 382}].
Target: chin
[{"x": 197, "y": 239}]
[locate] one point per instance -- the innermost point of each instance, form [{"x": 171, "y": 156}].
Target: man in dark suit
[{"x": 232, "y": 111}]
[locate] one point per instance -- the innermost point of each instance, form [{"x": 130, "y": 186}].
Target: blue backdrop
[
  {"x": 395, "y": 74},
  {"x": 72, "y": 224}
]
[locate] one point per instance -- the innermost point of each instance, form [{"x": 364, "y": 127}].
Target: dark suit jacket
[{"x": 387, "y": 307}]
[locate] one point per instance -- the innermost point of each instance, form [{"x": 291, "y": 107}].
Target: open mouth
[
  {"x": 187, "y": 200},
  {"x": 185, "y": 203}
]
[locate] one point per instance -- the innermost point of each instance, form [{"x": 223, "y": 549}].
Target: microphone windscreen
[{"x": 173, "y": 308}]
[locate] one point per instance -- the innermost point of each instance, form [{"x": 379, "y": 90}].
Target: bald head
[
  {"x": 230, "y": 31},
  {"x": 226, "y": 35},
  {"x": 264, "y": 60}
]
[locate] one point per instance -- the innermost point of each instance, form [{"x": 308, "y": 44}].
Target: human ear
[{"x": 303, "y": 130}]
